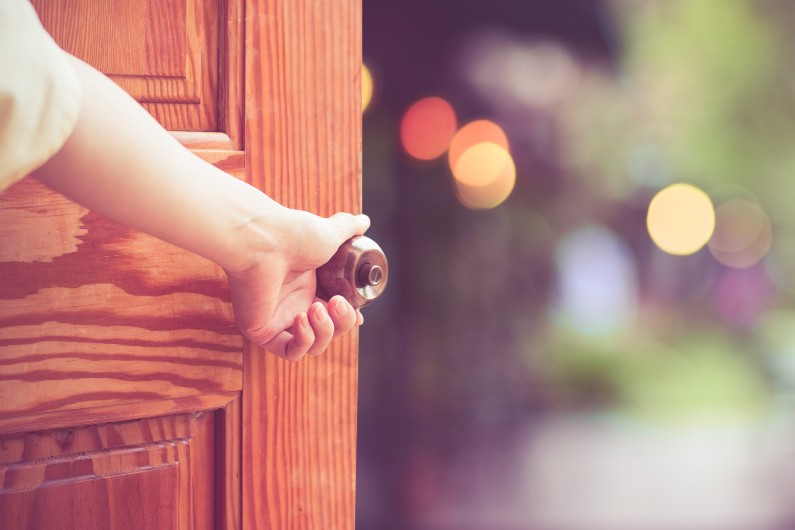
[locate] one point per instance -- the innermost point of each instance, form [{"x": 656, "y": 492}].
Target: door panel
[
  {"x": 94, "y": 313},
  {"x": 153, "y": 473},
  {"x": 163, "y": 52},
  {"x": 120, "y": 363}
]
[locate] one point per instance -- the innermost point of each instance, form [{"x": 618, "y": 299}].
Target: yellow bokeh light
[
  {"x": 473, "y": 133},
  {"x": 485, "y": 175},
  {"x": 680, "y": 219},
  {"x": 367, "y": 87},
  {"x": 481, "y": 164}
]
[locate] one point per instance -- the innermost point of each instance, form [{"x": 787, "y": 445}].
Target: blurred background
[{"x": 589, "y": 211}]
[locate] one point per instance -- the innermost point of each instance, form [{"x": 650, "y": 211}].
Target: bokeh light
[
  {"x": 597, "y": 290},
  {"x": 473, "y": 133},
  {"x": 616, "y": 327},
  {"x": 743, "y": 233},
  {"x": 680, "y": 219},
  {"x": 484, "y": 175},
  {"x": 367, "y": 87},
  {"x": 481, "y": 164},
  {"x": 427, "y": 128}
]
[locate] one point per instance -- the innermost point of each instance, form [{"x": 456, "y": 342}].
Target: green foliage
[
  {"x": 700, "y": 380},
  {"x": 709, "y": 67},
  {"x": 706, "y": 85}
]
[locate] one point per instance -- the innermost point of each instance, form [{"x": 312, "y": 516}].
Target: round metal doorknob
[{"x": 358, "y": 271}]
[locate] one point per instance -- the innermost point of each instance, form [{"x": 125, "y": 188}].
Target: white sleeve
[{"x": 40, "y": 94}]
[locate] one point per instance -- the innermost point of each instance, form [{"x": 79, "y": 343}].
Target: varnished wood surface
[
  {"x": 147, "y": 474},
  {"x": 126, "y": 411},
  {"x": 114, "y": 325},
  {"x": 152, "y": 495},
  {"x": 228, "y": 459},
  {"x": 231, "y": 68},
  {"x": 303, "y": 145},
  {"x": 138, "y": 37},
  {"x": 93, "y": 313},
  {"x": 299, "y": 442},
  {"x": 165, "y": 53}
]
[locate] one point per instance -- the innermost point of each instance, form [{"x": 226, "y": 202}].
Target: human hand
[
  {"x": 274, "y": 296},
  {"x": 268, "y": 251}
]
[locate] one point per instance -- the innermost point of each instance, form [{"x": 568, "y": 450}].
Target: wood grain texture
[
  {"x": 93, "y": 313},
  {"x": 126, "y": 411},
  {"x": 101, "y": 324},
  {"x": 228, "y": 499},
  {"x": 231, "y": 68},
  {"x": 147, "y": 474},
  {"x": 303, "y": 145},
  {"x": 139, "y": 37},
  {"x": 299, "y": 441},
  {"x": 165, "y": 53}
]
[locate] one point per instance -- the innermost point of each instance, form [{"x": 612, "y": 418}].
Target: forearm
[{"x": 121, "y": 163}]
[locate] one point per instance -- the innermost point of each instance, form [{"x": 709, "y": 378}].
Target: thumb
[{"x": 347, "y": 225}]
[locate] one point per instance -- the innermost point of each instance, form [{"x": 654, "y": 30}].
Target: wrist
[{"x": 256, "y": 231}]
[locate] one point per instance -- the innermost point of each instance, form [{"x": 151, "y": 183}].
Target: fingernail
[
  {"x": 320, "y": 313},
  {"x": 337, "y": 306}
]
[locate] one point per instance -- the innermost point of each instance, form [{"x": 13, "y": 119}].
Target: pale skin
[{"x": 121, "y": 163}]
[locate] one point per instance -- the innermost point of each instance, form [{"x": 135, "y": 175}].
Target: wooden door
[{"x": 127, "y": 397}]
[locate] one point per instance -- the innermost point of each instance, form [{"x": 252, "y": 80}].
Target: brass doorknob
[{"x": 358, "y": 271}]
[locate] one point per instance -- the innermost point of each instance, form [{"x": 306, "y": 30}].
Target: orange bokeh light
[
  {"x": 427, "y": 128},
  {"x": 473, "y": 133},
  {"x": 485, "y": 176}
]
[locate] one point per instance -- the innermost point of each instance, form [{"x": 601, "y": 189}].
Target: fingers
[
  {"x": 349, "y": 225},
  {"x": 343, "y": 315},
  {"x": 323, "y": 327},
  {"x": 312, "y": 331},
  {"x": 303, "y": 338}
]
